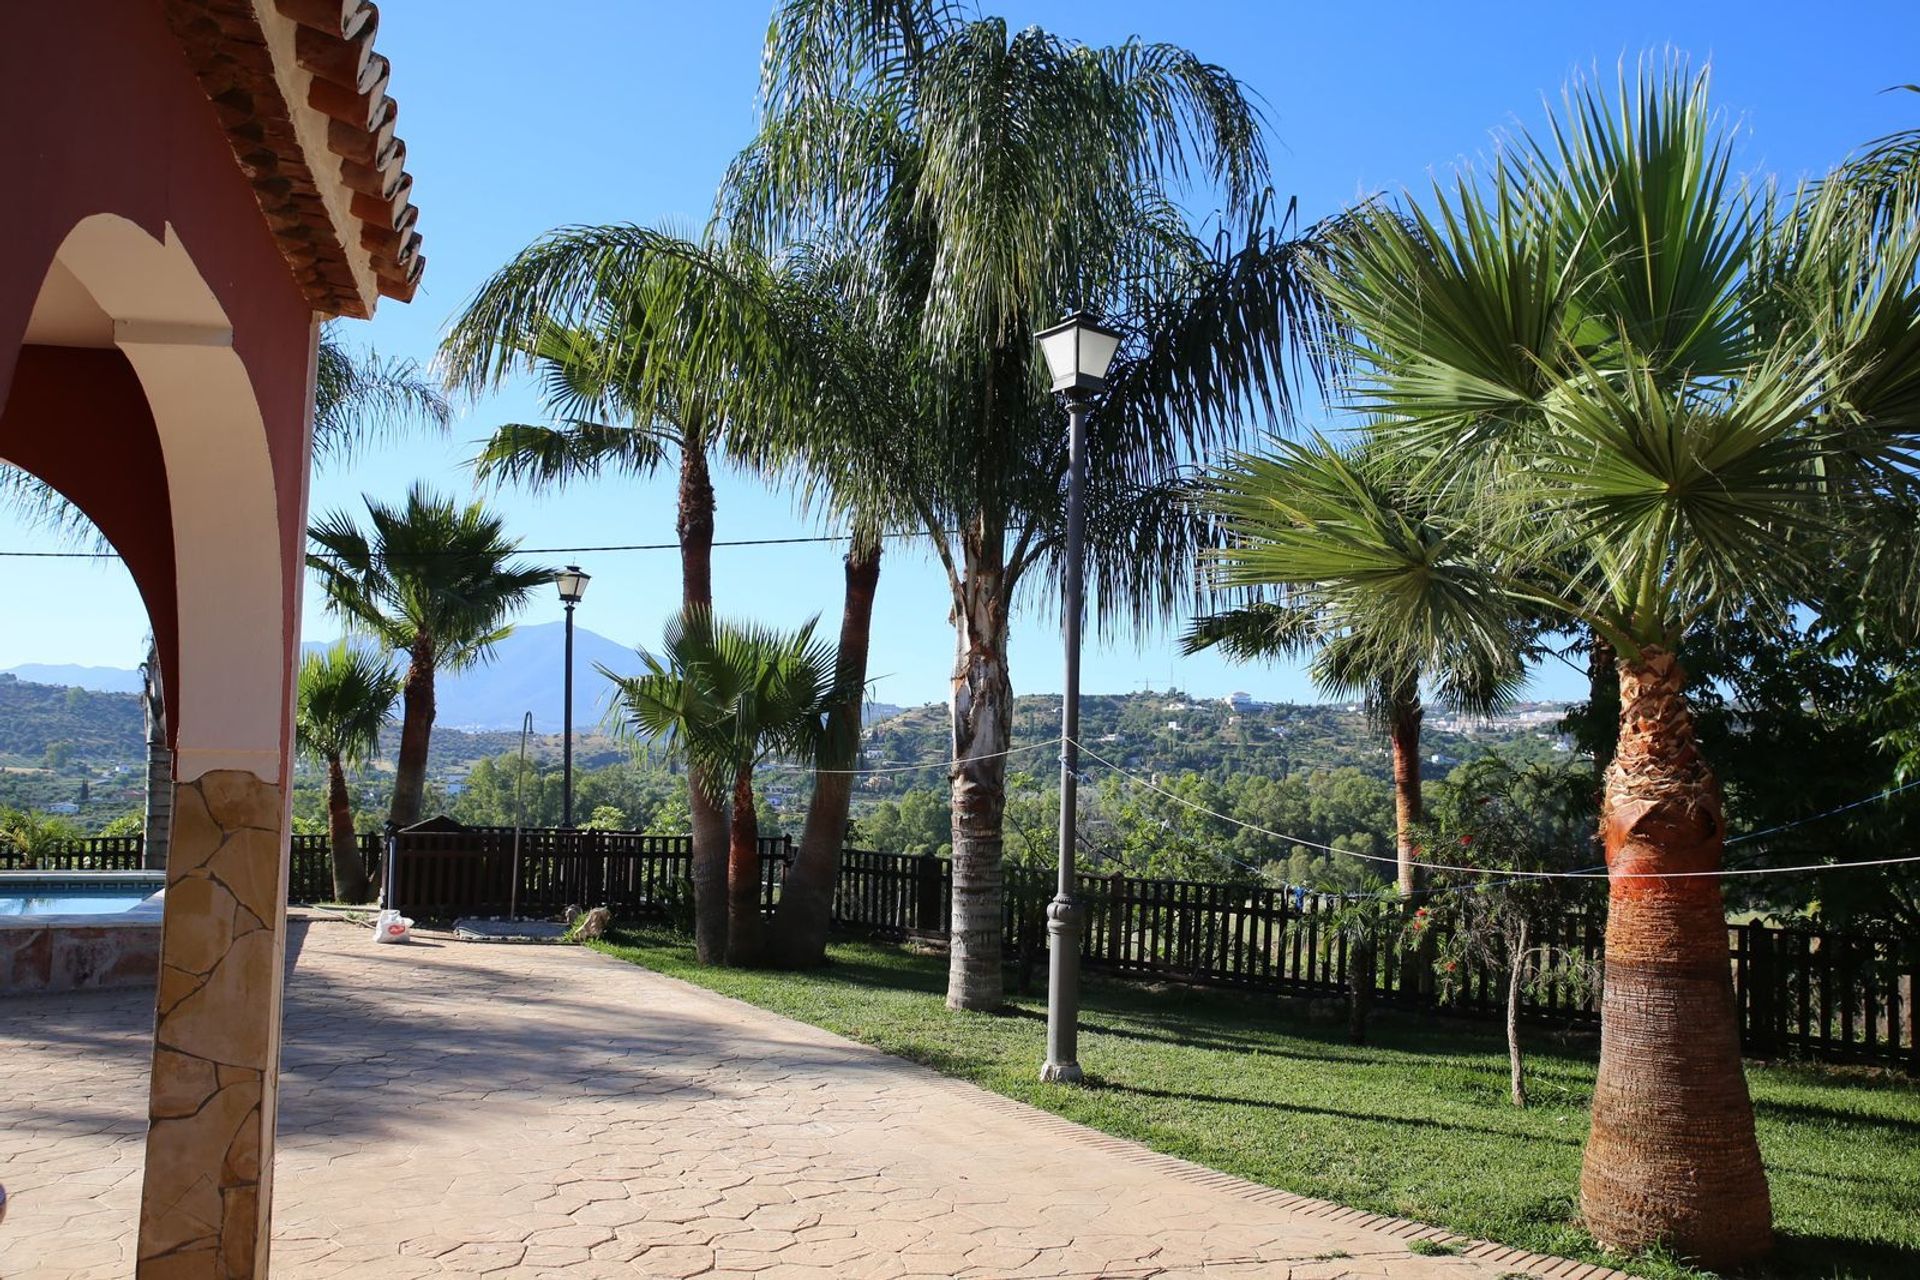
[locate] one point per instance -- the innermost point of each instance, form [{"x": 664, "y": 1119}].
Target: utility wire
[
  {"x": 913, "y": 768},
  {"x": 519, "y": 551},
  {"x": 1801, "y": 822},
  {"x": 1488, "y": 871}
]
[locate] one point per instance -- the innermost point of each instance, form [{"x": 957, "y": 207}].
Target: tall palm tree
[
  {"x": 991, "y": 181},
  {"x": 344, "y": 699},
  {"x": 1580, "y": 349},
  {"x": 429, "y": 579},
  {"x": 726, "y": 696},
  {"x": 360, "y": 399},
  {"x": 649, "y": 344},
  {"x": 1377, "y": 584}
]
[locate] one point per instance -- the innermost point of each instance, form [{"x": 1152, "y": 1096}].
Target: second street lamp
[
  {"x": 573, "y": 586},
  {"x": 1079, "y": 351}
]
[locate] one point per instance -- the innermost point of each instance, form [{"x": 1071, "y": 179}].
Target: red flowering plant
[{"x": 1506, "y": 837}]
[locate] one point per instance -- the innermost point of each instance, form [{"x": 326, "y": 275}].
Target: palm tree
[
  {"x": 360, "y": 399},
  {"x": 432, "y": 580},
  {"x": 1581, "y": 350},
  {"x": 1380, "y": 586},
  {"x": 645, "y": 344},
  {"x": 344, "y": 698},
  {"x": 726, "y": 696},
  {"x": 989, "y": 182}
]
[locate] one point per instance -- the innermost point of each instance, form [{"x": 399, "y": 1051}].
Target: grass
[{"x": 1417, "y": 1123}]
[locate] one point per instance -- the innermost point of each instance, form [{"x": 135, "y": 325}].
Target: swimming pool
[
  {"x": 93, "y": 893},
  {"x": 65, "y": 901},
  {"x": 69, "y": 931}
]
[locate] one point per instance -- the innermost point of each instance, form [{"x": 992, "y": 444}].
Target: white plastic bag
[{"x": 392, "y": 927}]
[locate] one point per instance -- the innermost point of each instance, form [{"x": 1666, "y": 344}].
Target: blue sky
[{"x": 521, "y": 119}]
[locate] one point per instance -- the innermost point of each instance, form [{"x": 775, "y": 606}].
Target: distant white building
[
  {"x": 63, "y": 808},
  {"x": 1241, "y": 700}
]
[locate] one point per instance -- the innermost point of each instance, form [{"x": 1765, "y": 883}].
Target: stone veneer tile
[{"x": 204, "y": 1210}]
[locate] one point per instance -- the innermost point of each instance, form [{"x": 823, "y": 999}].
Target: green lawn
[{"x": 1416, "y": 1123}]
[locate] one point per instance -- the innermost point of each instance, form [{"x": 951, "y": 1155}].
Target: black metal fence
[{"x": 1800, "y": 992}]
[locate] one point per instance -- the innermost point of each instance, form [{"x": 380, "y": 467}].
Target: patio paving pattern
[{"x": 461, "y": 1109}]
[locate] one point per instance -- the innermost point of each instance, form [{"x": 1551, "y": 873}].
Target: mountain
[
  {"x": 523, "y": 676},
  {"x": 98, "y": 679}
]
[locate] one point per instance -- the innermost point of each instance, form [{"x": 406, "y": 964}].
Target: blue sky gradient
[{"x": 519, "y": 119}]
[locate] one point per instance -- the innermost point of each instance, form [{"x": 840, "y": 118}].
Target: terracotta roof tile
[{"x": 333, "y": 43}]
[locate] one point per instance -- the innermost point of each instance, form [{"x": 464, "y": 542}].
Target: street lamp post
[
  {"x": 573, "y": 585},
  {"x": 1078, "y": 352}
]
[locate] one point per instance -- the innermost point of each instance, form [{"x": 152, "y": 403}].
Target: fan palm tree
[
  {"x": 991, "y": 181},
  {"x": 429, "y": 579},
  {"x": 1382, "y": 589},
  {"x": 1573, "y": 349},
  {"x": 343, "y": 700},
  {"x": 726, "y": 696}
]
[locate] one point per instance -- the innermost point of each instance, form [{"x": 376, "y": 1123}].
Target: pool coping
[{"x": 146, "y": 914}]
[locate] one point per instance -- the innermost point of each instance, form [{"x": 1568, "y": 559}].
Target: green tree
[
  {"x": 727, "y": 696},
  {"x": 432, "y": 580},
  {"x": 1495, "y": 816},
  {"x": 31, "y": 836},
  {"x": 1378, "y": 582},
  {"x": 990, "y": 181},
  {"x": 1654, "y": 407},
  {"x": 344, "y": 698}
]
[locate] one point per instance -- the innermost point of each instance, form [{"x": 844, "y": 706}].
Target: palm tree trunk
[
  {"x": 1405, "y": 717},
  {"x": 1360, "y": 977},
  {"x": 1516, "y": 983},
  {"x": 1672, "y": 1157},
  {"x": 745, "y": 929},
  {"x": 349, "y": 873},
  {"x": 694, "y": 525},
  {"x": 416, "y": 735},
  {"x": 1603, "y": 702},
  {"x": 806, "y": 898},
  {"x": 982, "y": 714}
]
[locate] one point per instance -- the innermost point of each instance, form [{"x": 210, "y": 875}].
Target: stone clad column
[{"x": 206, "y": 1206}]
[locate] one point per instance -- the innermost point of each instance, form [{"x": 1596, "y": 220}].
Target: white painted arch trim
[{"x": 231, "y": 706}]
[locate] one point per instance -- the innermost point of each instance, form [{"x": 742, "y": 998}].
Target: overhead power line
[{"x": 523, "y": 551}]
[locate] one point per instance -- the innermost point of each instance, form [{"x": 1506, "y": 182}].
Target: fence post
[{"x": 927, "y": 895}]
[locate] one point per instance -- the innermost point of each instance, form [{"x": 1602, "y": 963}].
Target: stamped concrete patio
[{"x": 463, "y": 1109}]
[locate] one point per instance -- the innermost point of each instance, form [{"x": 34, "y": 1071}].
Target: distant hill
[
  {"x": 91, "y": 724},
  {"x": 480, "y": 710},
  {"x": 67, "y": 675},
  {"x": 523, "y": 676}
]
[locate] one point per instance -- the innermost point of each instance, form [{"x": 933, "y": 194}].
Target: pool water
[{"x": 71, "y": 902}]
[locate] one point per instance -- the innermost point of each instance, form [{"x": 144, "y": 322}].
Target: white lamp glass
[
  {"x": 572, "y": 583},
  {"x": 1079, "y": 351}
]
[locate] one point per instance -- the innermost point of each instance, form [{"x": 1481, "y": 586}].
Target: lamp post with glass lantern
[
  {"x": 1078, "y": 351},
  {"x": 573, "y": 585}
]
